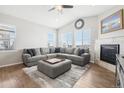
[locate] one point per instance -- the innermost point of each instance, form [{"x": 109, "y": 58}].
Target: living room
[{"x": 59, "y": 46}]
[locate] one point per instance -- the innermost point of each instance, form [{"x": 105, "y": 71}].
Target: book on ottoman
[{"x": 54, "y": 60}]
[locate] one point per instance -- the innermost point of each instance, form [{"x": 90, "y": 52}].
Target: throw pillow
[
  {"x": 37, "y": 51},
  {"x": 76, "y": 51},
  {"x": 81, "y": 52},
  {"x": 69, "y": 50},
  {"x": 57, "y": 50},
  {"x": 31, "y": 52}
]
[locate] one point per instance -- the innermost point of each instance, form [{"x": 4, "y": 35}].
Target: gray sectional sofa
[{"x": 78, "y": 56}]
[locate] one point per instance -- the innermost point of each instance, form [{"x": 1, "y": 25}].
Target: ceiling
[{"x": 39, "y": 13}]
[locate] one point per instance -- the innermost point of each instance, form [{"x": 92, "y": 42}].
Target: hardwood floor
[
  {"x": 96, "y": 76},
  {"x": 15, "y": 77}
]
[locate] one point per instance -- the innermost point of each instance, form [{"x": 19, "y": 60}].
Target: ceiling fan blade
[
  {"x": 51, "y": 9},
  {"x": 67, "y": 6}
]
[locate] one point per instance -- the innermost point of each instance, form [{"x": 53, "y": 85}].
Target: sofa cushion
[
  {"x": 62, "y": 55},
  {"x": 45, "y": 51},
  {"x": 76, "y": 51},
  {"x": 57, "y": 50},
  {"x": 62, "y": 50},
  {"x": 69, "y": 50},
  {"x": 43, "y": 57},
  {"x": 75, "y": 58},
  {"x": 37, "y": 51},
  {"x": 86, "y": 50},
  {"x": 52, "y": 50},
  {"x": 37, "y": 58},
  {"x": 49, "y": 56},
  {"x": 83, "y": 50}
]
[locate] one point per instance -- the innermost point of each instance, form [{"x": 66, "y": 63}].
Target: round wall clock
[{"x": 79, "y": 24}]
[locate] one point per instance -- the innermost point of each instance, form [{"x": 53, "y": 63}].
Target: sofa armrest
[
  {"x": 36, "y": 58},
  {"x": 86, "y": 57},
  {"x": 85, "y": 54},
  {"x": 25, "y": 57}
]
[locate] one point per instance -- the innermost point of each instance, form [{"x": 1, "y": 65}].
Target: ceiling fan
[{"x": 60, "y": 8}]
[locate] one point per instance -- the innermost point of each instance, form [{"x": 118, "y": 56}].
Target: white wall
[
  {"x": 28, "y": 35},
  {"x": 90, "y": 22},
  {"x": 116, "y": 37},
  {"x": 106, "y": 14}
]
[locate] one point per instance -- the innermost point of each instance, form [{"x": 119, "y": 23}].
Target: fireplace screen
[
  {"x": 108, "y": 53},
  {"x": 7, "y": 37}
]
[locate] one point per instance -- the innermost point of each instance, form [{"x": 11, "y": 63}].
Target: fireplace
[{"x": 108, "y": 53}]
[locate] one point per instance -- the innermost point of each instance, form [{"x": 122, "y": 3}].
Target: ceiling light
[{"x": 59, "y": 8}]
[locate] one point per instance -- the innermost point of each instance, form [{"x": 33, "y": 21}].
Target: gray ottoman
[{"x": 54, "y": 70}]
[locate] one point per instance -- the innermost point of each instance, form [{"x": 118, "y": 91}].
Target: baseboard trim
[
  {"x": 11, "y": 64},
  {"x": 92, "y": 61}
]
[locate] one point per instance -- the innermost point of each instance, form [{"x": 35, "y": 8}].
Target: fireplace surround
[{"x": 108, "y": 52}]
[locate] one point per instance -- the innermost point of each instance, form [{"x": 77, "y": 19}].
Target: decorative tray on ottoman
[{"x": 54, "y": 60}]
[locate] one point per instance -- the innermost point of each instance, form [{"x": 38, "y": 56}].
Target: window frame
[
  {"x": 68, "y": 41},
  {"x": 52, "y": 42},
  {"x": 83, "y": 40}
]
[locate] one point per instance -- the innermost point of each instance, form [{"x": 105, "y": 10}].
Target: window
[
  {"x": 86, "y": 37},
  {"x": 67, "y": 42},
  {"x": 79, "y": 38},
  {"x": 7, "y": 37},
  {"x": 51, "y": 39},
  {"x": 83, "y": 37}
]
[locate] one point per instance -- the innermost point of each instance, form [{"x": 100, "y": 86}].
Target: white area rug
[{"x": 66, "y": 80}]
